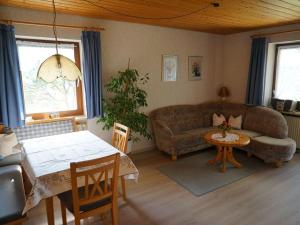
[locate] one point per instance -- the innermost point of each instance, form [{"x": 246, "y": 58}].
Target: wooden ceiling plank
[
  {"x": 286, "y": 4},
  {"x": 249, "y": 7},
  {"x": 232, "y": 16},
  {"x": 269, "y": 8}
]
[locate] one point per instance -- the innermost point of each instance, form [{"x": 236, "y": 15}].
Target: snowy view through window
[
  {"x": 39, "y": 95},
  {"x": 288, "y": 73}
]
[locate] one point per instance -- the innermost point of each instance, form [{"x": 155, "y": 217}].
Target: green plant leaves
[{"x": 127, "y": 98}]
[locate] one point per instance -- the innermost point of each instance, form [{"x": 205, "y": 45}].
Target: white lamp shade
[{"x": 58, "y": 66}]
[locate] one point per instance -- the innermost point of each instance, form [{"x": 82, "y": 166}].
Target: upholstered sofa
[{"x": 179, "y": 129}]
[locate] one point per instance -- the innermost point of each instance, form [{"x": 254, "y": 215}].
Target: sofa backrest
[
  {"x": 234, "y": 109},
  {"x": 255, "y": 118},
  {"x": 179, "y": 117},
  {"x": 60, "y": 126},
  {"x": 266, "y": 121}
]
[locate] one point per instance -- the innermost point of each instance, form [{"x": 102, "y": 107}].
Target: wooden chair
[
  {"x": 119, "y": 140},
  {"x": 98, "y": 195}
]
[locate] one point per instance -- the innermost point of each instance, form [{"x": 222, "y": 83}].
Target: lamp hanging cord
[
  {"x": 54, "y": 26},
  {"x": 212, "y": 4}
]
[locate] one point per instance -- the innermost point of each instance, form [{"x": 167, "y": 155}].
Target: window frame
[
  {"x": 277, "y": 46},
  {"x": 79, "y": 93}
]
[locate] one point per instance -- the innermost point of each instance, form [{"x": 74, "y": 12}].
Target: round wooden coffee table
[{"x": 224, "y": 147}]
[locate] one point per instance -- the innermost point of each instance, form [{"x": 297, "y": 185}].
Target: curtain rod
[
  {"x": 274, "y": 33},
  {"x": 51, "y": 25}
]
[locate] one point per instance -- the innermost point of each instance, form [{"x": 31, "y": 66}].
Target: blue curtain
[
  {"x": 91, "y": 42},
  {"x": 256, "y": 76},
  {"x": 11, "y": 93}
]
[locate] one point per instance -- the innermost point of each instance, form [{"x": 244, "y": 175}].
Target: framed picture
[
  {"x": 169, "y": 67},
  {"x": 195, "y": 67}
]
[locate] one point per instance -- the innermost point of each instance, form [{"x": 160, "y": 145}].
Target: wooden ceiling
[{"x": 231, "y": 16}]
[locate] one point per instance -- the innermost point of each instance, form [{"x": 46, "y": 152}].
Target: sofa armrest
[
  {"x": 12, "y": 194},
  {"x": 161, "y": 124}
]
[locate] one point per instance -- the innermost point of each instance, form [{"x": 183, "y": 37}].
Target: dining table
[{"x": 46, "y": 161}]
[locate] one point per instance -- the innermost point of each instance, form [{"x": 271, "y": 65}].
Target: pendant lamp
[{"x": 58, "y": 66}]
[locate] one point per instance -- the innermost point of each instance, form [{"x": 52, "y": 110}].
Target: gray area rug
[{"x": 195, "y": 175}]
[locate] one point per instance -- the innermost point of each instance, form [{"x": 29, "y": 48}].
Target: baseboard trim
[{"x": 145, "y": 149}]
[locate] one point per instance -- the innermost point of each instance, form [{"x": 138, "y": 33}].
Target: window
[
  {"x": 287, "y": 72},
  {"x": 61, "y": 95}
]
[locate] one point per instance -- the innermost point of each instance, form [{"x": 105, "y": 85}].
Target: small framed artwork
[
  {"x": 195, "y": 67},
  {"x": 169, "y": 67}
]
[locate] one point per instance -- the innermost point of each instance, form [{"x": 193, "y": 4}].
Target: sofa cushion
[
  {"x": 199, "y": 132},
  {"x": 235, "y": 122},
  {"x": 191, "y": 138},
  {"x": 218, "y": 119},
  {"x": 275, "y": 141},
  {"x": 13, "y": 159},
  {"x": 249, "y": 133},
  {"x": 7, "y": 145},
  {"x": 273, "y": 149}
]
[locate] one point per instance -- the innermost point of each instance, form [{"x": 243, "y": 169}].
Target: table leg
[
  {"x": 218, "y": 157},
  {"x": 223, "y": 169},
  {"x": 231, "y": 158},
  {"x": 50, "y": 210}
]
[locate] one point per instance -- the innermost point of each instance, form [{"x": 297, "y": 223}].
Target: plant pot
[
  {"x": 223, "y": 133},
  {"x": 129, "y": 146}
]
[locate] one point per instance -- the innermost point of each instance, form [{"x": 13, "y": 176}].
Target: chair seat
[
  {"x": 12, "y": 196},
  {"x": 67, "y": 200}
]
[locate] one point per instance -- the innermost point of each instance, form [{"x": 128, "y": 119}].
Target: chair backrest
[
  {"x": 97, "y": 182},
  {"x": 45, "y": 128},
  {"x": 120, "y": 137}
]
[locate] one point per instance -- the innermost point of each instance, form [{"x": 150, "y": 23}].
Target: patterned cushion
[
  {"x": 218, "y": 119},
  {"x": 235, "y": 122},
  {"x": 8, "y": 145},
  {"x": 44, "y": 129}
]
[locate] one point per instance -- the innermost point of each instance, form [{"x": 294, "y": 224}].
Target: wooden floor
[{"x": 270, "y": 197}]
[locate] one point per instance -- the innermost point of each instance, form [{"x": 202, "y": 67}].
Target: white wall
[
  {"x": 145, "y": 45},
  {"x": 226, "y": 57},
  {"x": 237, "y": 51}
]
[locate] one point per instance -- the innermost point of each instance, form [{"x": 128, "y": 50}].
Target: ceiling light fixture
[
  {"x": 58, "y": 66},
  {"x": 215, "y": 4}
]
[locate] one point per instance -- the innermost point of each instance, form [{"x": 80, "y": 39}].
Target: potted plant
[
  {"x": 224, "y": 127},
  {"x": 125, "y": 100}
]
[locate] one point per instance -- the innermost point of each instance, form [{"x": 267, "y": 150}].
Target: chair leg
[
  {"x": 115, "y": 213},
  {"x": 77, "y": 221},
  {"x": 123, "y": 188},
  {"x": 63, "y": 213}
]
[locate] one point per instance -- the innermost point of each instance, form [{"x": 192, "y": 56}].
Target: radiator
[{"x": 294, "y": 128}]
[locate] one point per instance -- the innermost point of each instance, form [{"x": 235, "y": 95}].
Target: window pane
[
  {"x": 39, "y": 95},
  {"x": 288, "y": 73}
]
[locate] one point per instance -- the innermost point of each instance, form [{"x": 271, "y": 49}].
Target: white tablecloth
[
  {"x": 47, "y": 162},
  {"x": 230, "y": 137}
]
